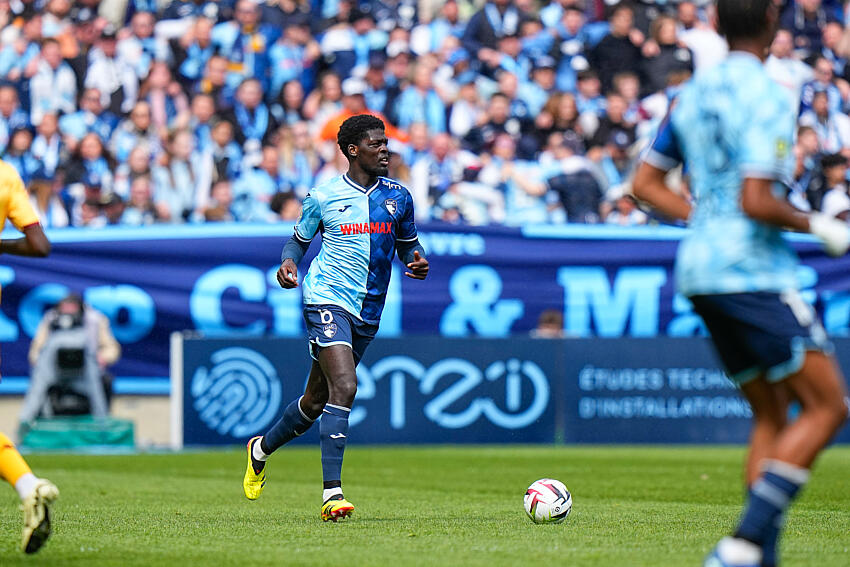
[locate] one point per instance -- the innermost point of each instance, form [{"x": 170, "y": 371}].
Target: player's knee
[
  {"x": 344, "y": 391},
  {"x": 838, "y": 412}
]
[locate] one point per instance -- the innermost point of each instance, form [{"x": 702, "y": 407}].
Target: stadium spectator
[
  {"x": 244, "y": 43},
  {"x": 19, "y": 155},
  {"x": 45, "y": 201},
  {"x": 785, "y": 68},
  {"x": 831, "y": 126},
  {"x": 135, "y": 131},
  {"x": 612, "y": 123},
  {"x": 138, "y": 165},
  {"x": 182, "y": 179},
  {"x": 669, "y": 56},
  {"x": 111, "y": 74},
  {"x": 293, "y": 57},
  {"x": 214, "y": 83},
  {"x": 140, "y": 48},
  {"x": 575, "y": 184},
  {"x": 91, "y": 164},
  {"x": 202, "y": 111},
  {"x": 12, "y": 116},
  {"x": 168, "y": 104},
  {"x": 466, "y": 111},
  {"x": 518, "y": 180},
  {"x": 550, "y": 325},
  {"x": 218, "y": 209},
  {"x": 823, "y": 81},
  {"x": 298, "y": 158},
  {"x": 19, "y": 58},
  {"x": 434, "y": 174},
  {"x": 91, "y": 117},
  {"x": 808, "y": 186},
  {"x": 287, "y": 206},
  {"x": 430, "y": 37},
  {"x": 700, "y": 36},
  {"x": 806, "y": 19},
  {"x": 832, "y": 36},
  {"x": 225, "y": 153},
  {"x": 69, "y": 354},
  {"x": 495, "y": 20},
  {"x": 836, "y": 202},
  {"x": 252, "y": 119},
  {"x": 625, "y": 212},
  {"x": 53, "y": 88},
  {"x": 47, "y": 146},
  {"x": 419, "y": 102},
  {"x": 346, "y": 47},
  {"x": 253, "y": 191},
  {"x": 140, "y": 209},
  {"x": 620, "y": 50},
  {"x": 192, "y": 51}
]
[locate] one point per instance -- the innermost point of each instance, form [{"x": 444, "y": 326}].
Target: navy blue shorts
[
  {"x": 761, "y": 333},
  {"x": 329, "y": 325}
]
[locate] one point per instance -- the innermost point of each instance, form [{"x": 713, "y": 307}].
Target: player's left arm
[
  {"x": 409, "y": 249},
  {"x": 34, "y": 243},
  {"x": 650, "y": 183},
  {"x": 22, "y": 215}
]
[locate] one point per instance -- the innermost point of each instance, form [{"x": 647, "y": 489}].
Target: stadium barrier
[
  {"x": 218, "y": 280},
  {"x": 439, "y": 390}
]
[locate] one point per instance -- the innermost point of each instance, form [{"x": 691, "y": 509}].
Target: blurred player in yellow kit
[{"x": 36, "y": 493}]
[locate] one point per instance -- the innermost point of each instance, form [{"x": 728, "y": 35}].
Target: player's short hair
[
  {"x": 354, "y": 129},
  {"x": 741, "y": 19}
]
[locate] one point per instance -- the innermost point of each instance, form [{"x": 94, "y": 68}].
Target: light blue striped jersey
[
  {"x": 360, "y": 227},
  {"x": 729, "y": 123}
]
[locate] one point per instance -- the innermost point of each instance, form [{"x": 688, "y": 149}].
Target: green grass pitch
[{"x": 633, "y": 506}]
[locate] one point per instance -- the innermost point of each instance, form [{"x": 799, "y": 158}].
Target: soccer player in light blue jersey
[
  {"x": 733, "y": 128},
  {"x": 365, "y": 219}
]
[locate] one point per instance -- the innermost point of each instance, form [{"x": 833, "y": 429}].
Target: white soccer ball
[{"x": 547, "y": 501}]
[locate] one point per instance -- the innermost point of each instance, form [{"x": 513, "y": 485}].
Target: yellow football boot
[
  {"x": 254, "y": 482},
  {"x": 336, "y": 508}
]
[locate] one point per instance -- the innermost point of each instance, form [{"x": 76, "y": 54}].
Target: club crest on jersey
[
  {"x": 391, "y": 206},
  {"x": 329, "y": 330}
]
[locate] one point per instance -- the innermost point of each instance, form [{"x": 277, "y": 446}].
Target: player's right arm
[
  {"x": 650, "y": 183},
  {"x": 22, "y": 215},
  {"x": 308, "y": 224},
  {"x": 766, "y": 139}
]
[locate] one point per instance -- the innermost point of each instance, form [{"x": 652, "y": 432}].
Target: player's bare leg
[
  {"x": 769, "y": 403},
  {"x": 783, "y": 468},
  {"x": 337, "y": 362}
]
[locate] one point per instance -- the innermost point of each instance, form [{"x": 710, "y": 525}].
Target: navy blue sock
[
  {"x": 770, "y": 546},
  {"x": 333, "y": 433},
  {"x": 769, "y": 497},
  {"x": 292, "y": 424}
]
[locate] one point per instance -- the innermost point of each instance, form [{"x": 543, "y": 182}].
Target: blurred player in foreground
[
  {"x": 364, "y": 218},
  {"x": 36, "y": 493},
  {"x": 734, "y": 128}
]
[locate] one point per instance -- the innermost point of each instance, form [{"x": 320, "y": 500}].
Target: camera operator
[{"x": 69, "y": 354}]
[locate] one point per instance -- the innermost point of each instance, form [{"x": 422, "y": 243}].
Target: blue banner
[
  {"x": 491, "y": 282},
  {"x": 435, "y": 390}
]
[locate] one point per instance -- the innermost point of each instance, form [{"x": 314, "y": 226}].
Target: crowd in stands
[{"x": 136, "y": 112}]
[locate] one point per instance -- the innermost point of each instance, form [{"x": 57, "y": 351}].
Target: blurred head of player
[
  {"x": 747, "y": 21},
  {"x": 363, "y": 141}
]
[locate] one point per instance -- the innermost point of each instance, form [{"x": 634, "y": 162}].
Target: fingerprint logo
[{"x": 239, "y": 395}]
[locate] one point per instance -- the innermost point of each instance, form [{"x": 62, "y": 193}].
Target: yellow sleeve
[{"x": 18, "y": 207}]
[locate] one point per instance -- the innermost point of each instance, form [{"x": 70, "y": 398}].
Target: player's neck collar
[{"x": 359, "y": 187}]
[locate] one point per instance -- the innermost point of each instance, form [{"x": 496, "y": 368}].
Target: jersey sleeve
[
  {"x": 19, "y": 209},
  {"x": 767, "y": 137},
  {"x": 664, "y": 152},
  {"x": 310, "y": 219},
  {"x": 407, "y": 225}
]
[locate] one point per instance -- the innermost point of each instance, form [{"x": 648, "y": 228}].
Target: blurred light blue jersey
[
  {"x": 729, "y": 123},
  {"x": 360, "y": 227}
]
